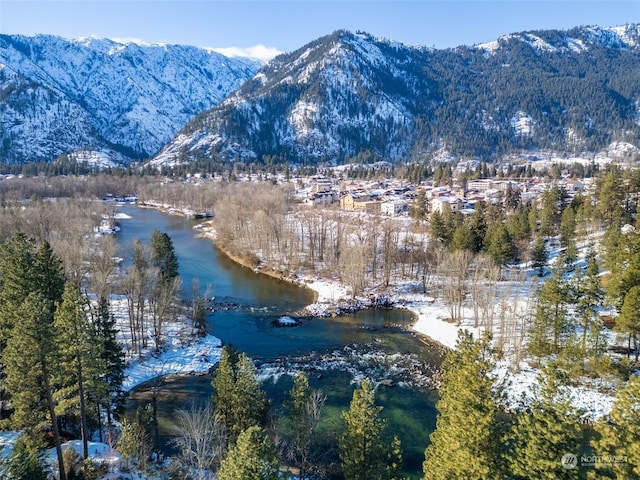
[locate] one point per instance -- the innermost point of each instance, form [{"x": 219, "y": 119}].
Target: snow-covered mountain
[
  {"x": 349, "y": 95},
  {"x": 127, "y": 99}
]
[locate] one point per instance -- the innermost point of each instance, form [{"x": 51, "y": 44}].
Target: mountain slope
[
  {"x": 59, "y": 95},
  {"x": 350, "y": 95}
]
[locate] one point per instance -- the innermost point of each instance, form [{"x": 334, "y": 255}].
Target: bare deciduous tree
[{"x": 200, "y": 441}]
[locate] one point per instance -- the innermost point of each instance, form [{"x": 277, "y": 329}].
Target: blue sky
[{"x": 288, "y": 25}]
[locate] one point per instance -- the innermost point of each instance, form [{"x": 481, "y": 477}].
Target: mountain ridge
[
  {"x": 349, "y": 95},
  {"x": 342, "y": 97},
  {"x": 60, "y": 95}
]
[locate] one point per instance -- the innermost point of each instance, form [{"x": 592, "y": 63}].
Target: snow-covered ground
[
  {"x": 591, "y": 401},
  {"x": 181, "y": 352}
]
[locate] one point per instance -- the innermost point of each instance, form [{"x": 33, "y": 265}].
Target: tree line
[
  {"x": 62, "y": 363},
  {"x": 474, "y": 439}
]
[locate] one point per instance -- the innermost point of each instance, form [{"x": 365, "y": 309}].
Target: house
[
  {"x": 369, "y": 206},
  {"x": 323, "y": 198},
  {"x": 321, "y": 185},
  {"x": 394, "y": 208},
  {"x": 451, "y": 203},
  {"x": 348, "y": 201}
]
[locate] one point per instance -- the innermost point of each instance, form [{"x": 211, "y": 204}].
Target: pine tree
[
  {"x": 589, "y": 298},
  {"x": 539, "y": 255},
  {"x": 629, "y": 320},
  {"x": 552, "y": 200},
  {"x": 568, "y": 226},
  {"x": 620, "y": 435},
  {"x": 363, "y": 451},
  {"x": 303, "y": 410},
  {"x": 498, "y": 243},
  {"x": 610, "y": 196},
  {"x": 163, "y": 256},
  {"x": 439, "y": 228},
  {"x": 478, "y": 226},
  {"x": 27, "y": 461},
  {"x": 224, "y": 396},
  {"x": 467, "y": 440},
  {"x": 25, "y": 270},
  {"x": 75, "y": 350},
  {"x": 107, "y": 362},
  {"x": 30, "y": 359},
  {"x": 540, "y": 438},
  {"x": 254, "y": 457},
  {"x": 251, "y": 400},
  {"x": 49, "y": 273},
  {"x": 135, "y": 443},
  {"x": 240, "y": 401},
  {"x": 164, "y": 284},
  {"x": 462, "y": 239},
  {"x": 551, "y": 327}
]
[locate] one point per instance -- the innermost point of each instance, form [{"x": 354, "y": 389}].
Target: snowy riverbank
[
  {"x": 592, "y": 401},
  {"x": 181, "y": 352}
]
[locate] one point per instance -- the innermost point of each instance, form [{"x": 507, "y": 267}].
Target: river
[{"x": 376, "y": 343}]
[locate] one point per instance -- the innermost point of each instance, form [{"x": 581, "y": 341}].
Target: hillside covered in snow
[
  {"x": 127, "y": 99},
  {"x": 352, "y": 97}
]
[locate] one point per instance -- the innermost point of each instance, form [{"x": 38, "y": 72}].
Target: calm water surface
[{"x": 246, "y": 305}]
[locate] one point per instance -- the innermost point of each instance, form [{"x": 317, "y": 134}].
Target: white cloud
[{"x": 261, "y": 52}]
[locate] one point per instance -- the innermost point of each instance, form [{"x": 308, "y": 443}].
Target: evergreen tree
[
  {"x": 164, "y": 282},
  {"x": 29, "y": 359},
  {"x": 462, "y": 239},
  {"x": 163, "y": 256},
  {"x": 240, "y": 401},
  {"x": 75, "y": 349},
  {"x": 107, "y": 361},
  {"x": 610, "y": 197},
  {"x": 478, "y": 226},
  {"x": 224, "y": 394},
  {"x": 135, "y": 443},
  {"x": 589, "y": 296},
  {"x": 498, "y": 243},
  {"x": 439, "y": 228},
  {"x": 512, "y": 197},
  {"x": 540, "y": 438},
  {"x": 539, "y": 255},
  {"x": 27, "y": 461},
  {"x": 363, "y": 451},
  {"x": 418, "y": 210},
  {"x": 629, "y": 320},
  {"x": 467, "y": 440},
  {"x": 25, "y": 270},
  {"x": 552, "y": 201},
  {"x": 567, "y": 226},
  {"x": 625, "y": 270},
  {"x": 303, "y": 410},
  {"x": 620, "y": 435},
  {"x": 551, "y": 326},
  {"x": 253, "y": 457},
  {"x": 49, "y": 272},
  {"x": 613, "y": 249}
]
